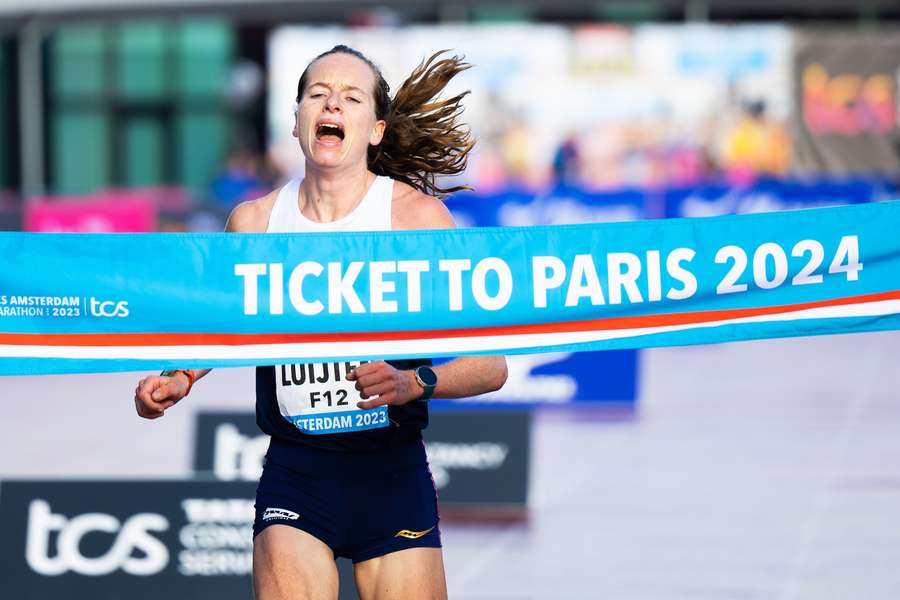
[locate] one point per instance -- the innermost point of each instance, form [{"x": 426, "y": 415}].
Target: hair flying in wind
[{"x": 423, "y": 137}]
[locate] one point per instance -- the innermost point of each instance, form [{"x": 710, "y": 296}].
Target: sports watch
[{"x": 427, "y": 378}]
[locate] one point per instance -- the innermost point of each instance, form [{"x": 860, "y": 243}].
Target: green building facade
[{"x": 137, "y": 103}]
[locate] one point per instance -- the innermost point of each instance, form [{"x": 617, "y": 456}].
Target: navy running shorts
[{"x": 361, "y": 504}]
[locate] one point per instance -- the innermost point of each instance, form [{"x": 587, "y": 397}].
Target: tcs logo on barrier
[
  {"x": 109, "y": 308},
  {"x": 134, "y": 534}
]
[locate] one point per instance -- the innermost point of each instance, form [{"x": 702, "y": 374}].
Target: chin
[
  {"x": 331, "y": 159},
  {"x": 327, "y": 163}
]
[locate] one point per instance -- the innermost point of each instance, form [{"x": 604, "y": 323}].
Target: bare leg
[
  {"x": 290, "y": 564},
  {"x": 413, "y": 574}
]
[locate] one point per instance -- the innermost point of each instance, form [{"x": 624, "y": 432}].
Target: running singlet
[{"x": 314, "y": 404}]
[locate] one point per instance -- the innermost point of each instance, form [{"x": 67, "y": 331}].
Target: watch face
[{"x": 427, "y": 376}]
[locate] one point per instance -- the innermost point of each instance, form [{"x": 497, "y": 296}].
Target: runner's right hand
[{"x": 154, "y": 394}]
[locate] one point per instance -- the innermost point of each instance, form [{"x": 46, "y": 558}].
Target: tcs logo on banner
[
  {"x": 109, "y": 308},
  {"x": 134, "y": 534}
]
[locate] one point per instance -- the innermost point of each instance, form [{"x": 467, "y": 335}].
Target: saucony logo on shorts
[
  {"x": 412, "y": 535},
  {"x": 279, "y": 513}
]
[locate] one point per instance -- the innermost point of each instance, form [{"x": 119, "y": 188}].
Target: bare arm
[
  {"x": 461, "y": 377},
  {"x": 156, "y": 393}
]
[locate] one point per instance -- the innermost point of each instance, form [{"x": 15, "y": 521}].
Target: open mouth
[{"x": 329, "y": 132}]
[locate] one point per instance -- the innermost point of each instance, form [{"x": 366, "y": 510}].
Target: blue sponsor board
[
  {"x": 558, "y": 206},
  {"x": 770, "y": 195},
  {"x": 567, "y": 204}
]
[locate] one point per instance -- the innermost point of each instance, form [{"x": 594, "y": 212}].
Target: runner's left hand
[{"x": 390, "y": 385}]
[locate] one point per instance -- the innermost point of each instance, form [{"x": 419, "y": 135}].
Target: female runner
[{"x": 366, "y": 493}]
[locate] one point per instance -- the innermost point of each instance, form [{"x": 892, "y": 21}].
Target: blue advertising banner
[
  {"x": 81, "y": 303},
  {"x": 769, "y": 195},
  {"x": 562, "y": 205}
]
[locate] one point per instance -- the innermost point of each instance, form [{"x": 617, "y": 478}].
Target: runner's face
[{"x": 335, "y": 121}]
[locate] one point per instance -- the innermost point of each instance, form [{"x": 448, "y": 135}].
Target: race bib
[{"x": 318, "y": 399}]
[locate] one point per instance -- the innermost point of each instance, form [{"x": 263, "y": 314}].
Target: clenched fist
[
  {"x": 154, "y": 394},
  {"x": 391, "y": 385}
]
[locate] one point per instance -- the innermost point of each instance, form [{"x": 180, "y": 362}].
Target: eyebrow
[{"x": 346, "y": 88}]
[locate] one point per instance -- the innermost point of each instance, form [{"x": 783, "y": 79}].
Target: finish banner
[{"x": 116, "y": 302}]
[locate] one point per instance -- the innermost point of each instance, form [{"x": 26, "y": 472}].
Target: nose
[{"x": 333, "y": 101}]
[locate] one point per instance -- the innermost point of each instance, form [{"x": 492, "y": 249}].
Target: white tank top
[
  {"x": 315, "y": 398},
  {"x": 373, "y": 213}
]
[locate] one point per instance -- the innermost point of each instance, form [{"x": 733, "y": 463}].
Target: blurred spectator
[
  {"x": 239, "y": 181},
  {"x": 516, "y": 149},
  {"x": 565, "y": 160},
  {"x": 756, "y": 145}
]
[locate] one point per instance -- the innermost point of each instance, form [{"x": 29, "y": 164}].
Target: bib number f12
[{"x": 318, "y": 399}]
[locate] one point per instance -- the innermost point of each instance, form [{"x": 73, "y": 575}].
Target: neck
[{"x": 327, "y": 196}]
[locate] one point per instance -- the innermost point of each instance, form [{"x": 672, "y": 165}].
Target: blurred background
[{"x": 753, "y": 470}]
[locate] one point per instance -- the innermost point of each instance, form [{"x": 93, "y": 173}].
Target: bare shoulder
[
  {"x": 252, "y": 216},
  {"x": 411, "y": 209}
]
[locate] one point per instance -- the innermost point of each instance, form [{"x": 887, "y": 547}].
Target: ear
[
  {"x": 294, "y": 131},
  {"x": 377, "y": 133}
]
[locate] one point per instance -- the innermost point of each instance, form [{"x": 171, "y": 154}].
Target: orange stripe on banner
[{"x": 242, "y": 339}]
